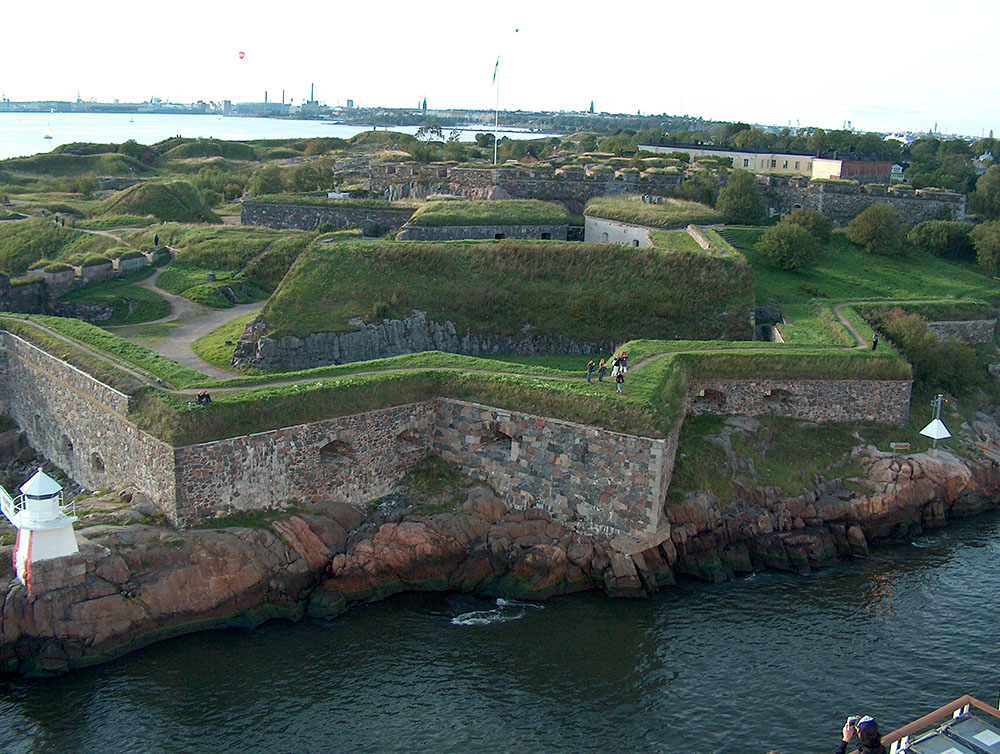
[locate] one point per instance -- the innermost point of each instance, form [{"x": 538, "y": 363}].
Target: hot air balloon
[{"x": 242, "y": 54}]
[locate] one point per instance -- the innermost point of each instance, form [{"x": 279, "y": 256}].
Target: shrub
[
  {"x": 949, "y": 240},
  {"x": 878, "y": 229},
  {"x": 986, "y": 241},
  {"x": 949, "y": 364},
  {"x": 740, "y": 201},
  {"x": 813, "y": 221},
  {"x": 788, "y": 246}
]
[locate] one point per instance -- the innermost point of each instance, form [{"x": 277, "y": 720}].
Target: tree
[
  {"x": 949, "y": 240},
  {"x": 986, "y": 240},
  {"x": 986, "y": 197},
  {"x": 879, "y": 229},
  {"x": 267, "y": 180},
  {"x": 740, "y": 202},
  {"x": 813, "y": 221},
  {"x": 788, "y": 246}
]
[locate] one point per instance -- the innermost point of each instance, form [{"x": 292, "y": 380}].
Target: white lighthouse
[{"x": 44, "y": 524}]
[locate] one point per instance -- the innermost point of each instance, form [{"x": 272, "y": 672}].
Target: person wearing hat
[{"x": 869, "y": 738}]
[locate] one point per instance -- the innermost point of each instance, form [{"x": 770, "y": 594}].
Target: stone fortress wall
[
  {"x": 482, "y": 232},
  {"x": 969, "y": 330},
  {"x": 372, "y": 222},
  {"x": 590, "y": 479},
  {"x": 80, "y": 424},
  {"x": 842, "y": 202}
]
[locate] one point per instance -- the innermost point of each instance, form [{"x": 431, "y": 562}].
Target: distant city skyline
[{"x": 883, "y": 67}]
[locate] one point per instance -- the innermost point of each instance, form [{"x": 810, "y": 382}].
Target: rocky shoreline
[{"x": 133, "y": 583}]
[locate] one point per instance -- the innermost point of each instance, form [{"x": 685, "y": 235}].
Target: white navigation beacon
[{"x": 44, "y": 524}]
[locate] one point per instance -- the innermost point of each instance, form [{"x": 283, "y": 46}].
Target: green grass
[
  {"x": 584, "y": 292},
  {"x": 845, "y": 273},
  {"x": 133, "y": 304},
  {"x": 322, "y": 201},
  {"x": 116, "y": 221},
  {"x": 137, "y": 357},
  {"x": 672, "y": 213},
  {"x": 67, "y": 165},
  {"x": 813, "y": 324},
  {"x": 674, "y": 240},
  {"x": 26, "y": 242},
  {"x": 176, "y": 201},
  {"x": 214, "y": 349},
  {"x": 193, "y": 283},
  {"x": 508, "y": 212}
]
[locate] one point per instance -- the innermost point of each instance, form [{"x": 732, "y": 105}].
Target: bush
[
  {"x": 986, "y": 241},
  {"x": 788, "y": 246},
  {"x": 949, "y": 240},
  {"x": 879, "y": 230},
  {"x": 949, "y": 365},
  {"x": 740, "y": 201},
  {"x": 818, "y": 226}
]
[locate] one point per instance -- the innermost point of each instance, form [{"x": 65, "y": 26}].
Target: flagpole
[{"x": 496, "y": 122}]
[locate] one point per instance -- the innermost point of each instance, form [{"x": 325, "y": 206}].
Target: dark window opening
[
  {"x": 335, "y": 451},
  {"x": 410, "y": 435},
  {"x": 96, "y": 463},
  {"x": 498, "y": 236},
  {"x": 635, "y": 242},
  {"x": 66, "y": 446},
  {"x": 546, "y": 236},
  {"x": 495, "y": 442},
  {"x": 709, "y": 395}
]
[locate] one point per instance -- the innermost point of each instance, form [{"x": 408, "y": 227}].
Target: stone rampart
[
  {"x": 969, "y": 331},
  {"x": 482, "y": 232},
  {"x": 372, "y": 222},
  {"x": 884, "y": 401},
  {"x": 842, "y": 202},
  {"x": 390, "y": 337},
  {"x": 588, "y": 479},
  {"x": 573, "y": 187},
  {"x": 79, "y": 424},
  {"x": 353, "y": 459}
]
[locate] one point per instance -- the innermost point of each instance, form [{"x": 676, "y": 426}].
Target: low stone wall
[
  {"x": 599, "y": 230},
  {"x": 372, "y": 222},
  {"x": 969, "y": 331},
  {"x": 79, "y": 424},
  {"x": 491, "y": 232},
  {"x": 842, "y": 202},
  {"x": 353, "y": 459},
  {"x": 884, "y": 401},
  {"x": 26, "y": 298},
  {"x": 391, "y": 337}
]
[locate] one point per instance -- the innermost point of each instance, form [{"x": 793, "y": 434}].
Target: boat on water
[
  {"x": 47, "y": 136},
  {"x": 965, "y": 726}
]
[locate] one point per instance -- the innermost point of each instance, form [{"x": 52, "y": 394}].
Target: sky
[{"x": 883, "y": 66}]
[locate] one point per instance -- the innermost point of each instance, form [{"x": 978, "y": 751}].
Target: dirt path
[{"x": 172, "y": 336}]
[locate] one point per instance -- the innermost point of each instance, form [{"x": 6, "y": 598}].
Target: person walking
[
  {"x": 590, "y": 369},
  {"x": 620, "y": 378},
  {"x": 874, "y": 341},
  {"x": 602, "y": 369}
]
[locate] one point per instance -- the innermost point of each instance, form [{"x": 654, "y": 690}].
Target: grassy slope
[
  {"x": 133, "y": 304},
  {"x": 509, "y": 212},
  {"x": 672, "y": 213},
  {"x": 176, "y": 201},
  {"x": 584, "y": 292},
  {"x": 24, "y": 242}
]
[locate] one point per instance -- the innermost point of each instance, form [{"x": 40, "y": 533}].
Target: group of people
[{"x": 619, "y": 366}]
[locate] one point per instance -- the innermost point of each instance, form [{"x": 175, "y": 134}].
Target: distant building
[
  {"x": 897, "y": 172},
  {"x": 764, "y": 163},
  {"x": 851, "y": 167}
]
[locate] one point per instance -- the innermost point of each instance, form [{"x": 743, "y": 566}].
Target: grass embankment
[
  {"x": 176, "y": 201},
  {"x": 508, "y": 212},
  {"x": 118, "y": 349},
  {"x": 586, "y": 293},
  {"x": 672, "y": 213},
  {"x": 63, "y": 165},
  {"x": 132, "y": 304},
  {"x": 26, "y": 242},
  {"x": 322, "y": 201}
]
